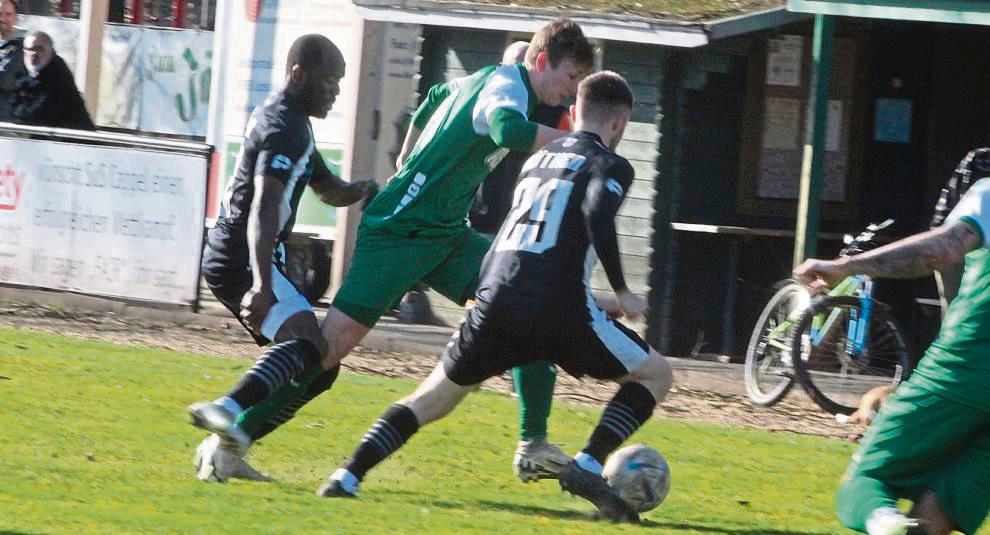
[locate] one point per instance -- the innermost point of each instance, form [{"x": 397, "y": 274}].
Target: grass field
[{"x": 95, "y": 440}]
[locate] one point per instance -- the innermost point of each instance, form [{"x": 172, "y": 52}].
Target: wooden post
[
  {"x": 813, "y": 163},
  {"x": 92, "y": 19},
  {"x": 359, "y": 159},
  {"x": 668, "y": 202}
]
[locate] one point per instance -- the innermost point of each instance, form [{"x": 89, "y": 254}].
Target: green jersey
[
  {"x": 469, "y": 125},
  {"x": 957, "y": 365}
]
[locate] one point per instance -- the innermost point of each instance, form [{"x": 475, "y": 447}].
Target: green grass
[{"x": 94, "y": 440}]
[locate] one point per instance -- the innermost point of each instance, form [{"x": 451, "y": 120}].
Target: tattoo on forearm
[{"x": 918, "y": 255}]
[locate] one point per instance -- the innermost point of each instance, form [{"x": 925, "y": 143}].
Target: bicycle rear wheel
[
  {"x": 767, "y": 373},
  {"x": 833, "y": 373}
]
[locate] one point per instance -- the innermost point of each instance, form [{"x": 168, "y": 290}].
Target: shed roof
[
  {"x": 660, "y": 10},
  {"x": 686, "y": 23},
  {"x": 951, "y": 11}
]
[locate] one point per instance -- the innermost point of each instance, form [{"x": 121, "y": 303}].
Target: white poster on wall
[
  {"x": 784, "y": 60},
  {"x": 101, "y": 220},
  {"x": 833, "y": 126},
  {"x": 175, "y": 91},
  {"x": 783, "y": 123}
]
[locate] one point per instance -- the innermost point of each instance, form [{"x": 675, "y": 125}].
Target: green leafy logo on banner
[{"x": 197, "y": 78}]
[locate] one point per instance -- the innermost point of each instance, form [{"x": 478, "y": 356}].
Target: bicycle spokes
[
  {"x": 768, "y": 372},
  {"x": 848, "y": 346}
]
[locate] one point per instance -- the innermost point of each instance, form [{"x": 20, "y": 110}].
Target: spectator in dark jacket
[
  {"x": 47, "y": 95},
  {"x": 11, "y": 54}
]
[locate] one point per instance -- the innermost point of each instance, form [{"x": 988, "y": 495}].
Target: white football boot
[
  {"x": 538, "y": 459},
  {"x": 889, "y": 521},
  {"x": 340, "y": 484},
  {"x": 212, "y": 417},
  {"x": 217, "y": 464}
]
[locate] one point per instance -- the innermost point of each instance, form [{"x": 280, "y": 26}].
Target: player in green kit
[
  {"x": 416, "y": 228},
  {"x": 930, "y": 442}
]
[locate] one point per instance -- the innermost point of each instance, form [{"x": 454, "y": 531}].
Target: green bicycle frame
[{"x": 848, "y": 286}]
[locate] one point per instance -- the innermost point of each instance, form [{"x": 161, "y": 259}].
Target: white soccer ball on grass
[{"x": 640, "y": 476}]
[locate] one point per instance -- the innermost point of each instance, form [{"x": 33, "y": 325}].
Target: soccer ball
[{"x": 640, "y": 476}]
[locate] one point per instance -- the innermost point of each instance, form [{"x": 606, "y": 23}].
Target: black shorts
[
  {"x": 227, "y": 272},
  {"x": 508, "y": 332}
]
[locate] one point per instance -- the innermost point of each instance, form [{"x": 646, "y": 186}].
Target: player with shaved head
[{"x": 244, "y": 258}]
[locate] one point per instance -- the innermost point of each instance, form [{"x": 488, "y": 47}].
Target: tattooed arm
[{"x": 911, "y": 257}]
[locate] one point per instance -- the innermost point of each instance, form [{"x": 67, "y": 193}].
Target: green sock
[
  {"x": 534, "y": 384},
  {"x": 252, "y": 419}
]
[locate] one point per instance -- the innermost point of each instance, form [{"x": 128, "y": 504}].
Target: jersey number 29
[{"x": 537, "y": 210}]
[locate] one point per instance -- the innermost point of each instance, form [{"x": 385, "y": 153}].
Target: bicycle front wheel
[
  {"x": 767, "y": 373},
  {"x": 829, "y": 365}
]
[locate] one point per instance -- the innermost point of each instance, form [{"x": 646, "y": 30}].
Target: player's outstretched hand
[
  {"x": 359, "y": 190},
  {"x": 633, "y": 305},
  {"x": 370, "y": 191},
  {"x": 817, "y": 274},
  {"x": 609, "y": 305},
  {"x": 255, "y": 306},
  {"x": 869, "y": 404}
]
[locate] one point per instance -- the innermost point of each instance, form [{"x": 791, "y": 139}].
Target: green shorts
[
  {"x": 385, "y": 266},
  {"x": 921, "y": 440}
]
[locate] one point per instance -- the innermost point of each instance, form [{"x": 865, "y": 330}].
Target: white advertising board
[{"x": 109, "y": 221}]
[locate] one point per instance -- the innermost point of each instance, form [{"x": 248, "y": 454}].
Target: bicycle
[{"x": 838, "y": 345}]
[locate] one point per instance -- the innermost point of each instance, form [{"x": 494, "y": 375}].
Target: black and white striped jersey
[
  {"x": 563, "y": 213},
  {"x": 278, "y": 143}
]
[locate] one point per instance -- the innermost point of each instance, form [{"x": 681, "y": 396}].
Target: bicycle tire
[
  {"x": 836, "y": 380},
  {"x": 766, "y": 373}
]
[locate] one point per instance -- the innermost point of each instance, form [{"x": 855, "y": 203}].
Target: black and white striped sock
[
  {"x": 629, "y": 409},
  {"x": 276, "y": 366},
  {"x": 385, "y": 436}
]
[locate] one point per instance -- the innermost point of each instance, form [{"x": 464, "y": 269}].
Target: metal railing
[{"x": 115, "y": 139}]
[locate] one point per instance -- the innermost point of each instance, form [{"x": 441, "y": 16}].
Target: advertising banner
[
  {"x": 151, "y": 79},
  {"x": 175, "y": 89},
  {"x": 101, "y": 220},
  {"x": 120, "y": 76}
]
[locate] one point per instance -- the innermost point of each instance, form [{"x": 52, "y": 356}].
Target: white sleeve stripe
[
  {"x": 503, "y": 89},
  {"x": 975, "y": 206},
  {"x": 285, "y": 209}
]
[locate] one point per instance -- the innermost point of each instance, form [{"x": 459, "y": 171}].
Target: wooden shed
[{"x": 665, "y": 50}]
